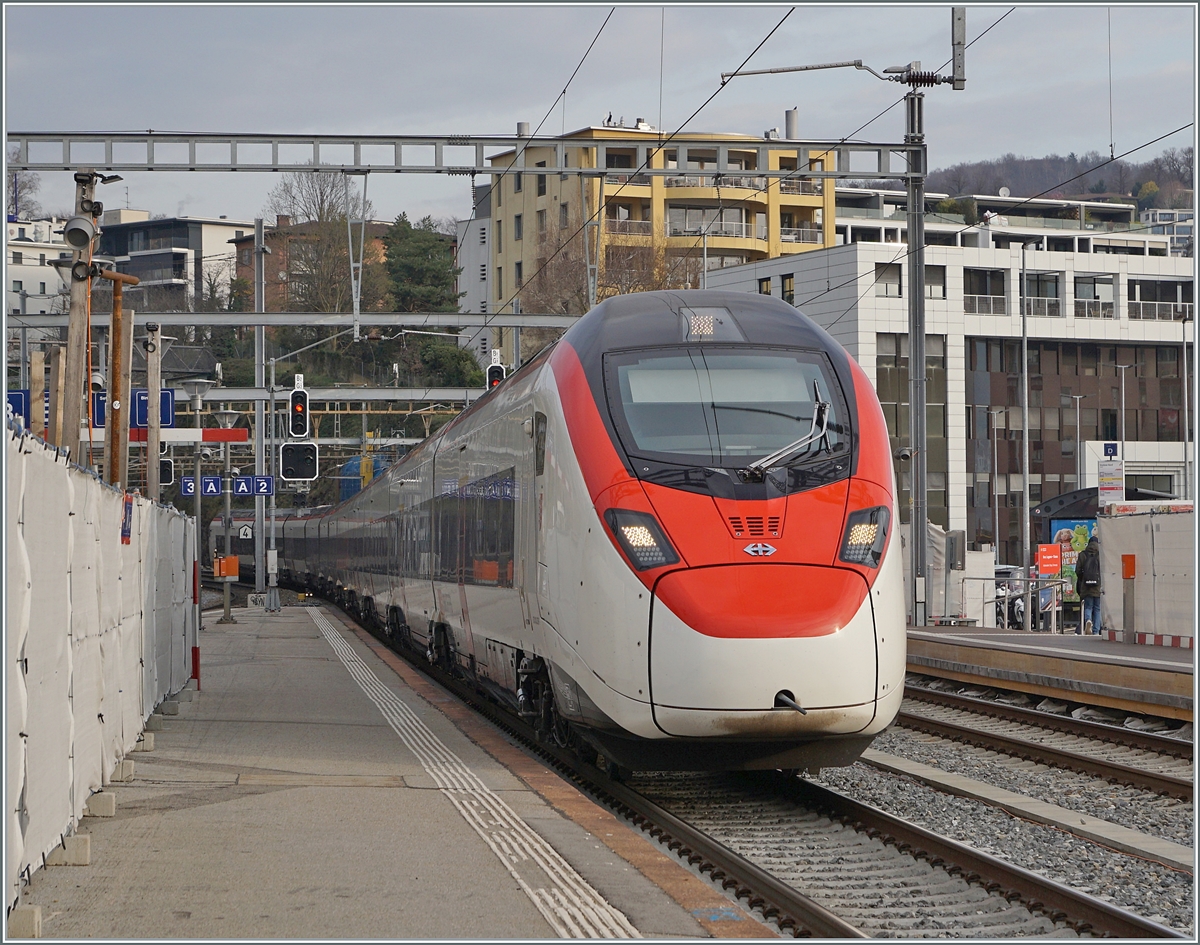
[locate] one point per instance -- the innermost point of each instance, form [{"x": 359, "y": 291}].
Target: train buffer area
[
  {"x": 1146, "y": 680},
  {"x": 320, "y": 787}
]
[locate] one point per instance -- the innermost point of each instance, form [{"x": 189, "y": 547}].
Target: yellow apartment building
[{"x": 648, "y": 232}]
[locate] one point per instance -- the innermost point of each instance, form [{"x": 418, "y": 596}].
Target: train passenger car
[{"x": 669, "y": 538}]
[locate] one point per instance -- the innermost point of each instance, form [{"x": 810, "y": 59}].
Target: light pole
[
  {"x": 1025, "y": 548},
  {"x": 1078, "y": 443},
  {"x": 995, "y": 486},
  {"x": 196, "y": 389},
  {"x": 1122, "y": 368}
]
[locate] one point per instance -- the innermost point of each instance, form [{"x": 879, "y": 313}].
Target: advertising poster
[{"x": 1072, "y": 535}]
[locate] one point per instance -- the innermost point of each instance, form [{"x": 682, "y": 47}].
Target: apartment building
[
  {"x": 1113, "y": 297},
  {"x": 35, "y": 285},
  {"x": 649, "y": 231},
  {"x": 475, "y": 261},
  {"x": 1179, "y": 225}
]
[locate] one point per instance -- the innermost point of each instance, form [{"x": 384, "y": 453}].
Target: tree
[
  {"x": 420, "y": 262},
  {"x": 20, "y": 187}
]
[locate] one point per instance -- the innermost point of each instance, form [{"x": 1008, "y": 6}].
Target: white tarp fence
[
  {"x": 1162, "y": 536},
  {"x": 98, "y": 633}
]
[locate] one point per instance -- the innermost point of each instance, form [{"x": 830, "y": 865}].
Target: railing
[
  {"x": 634, "y": 179},
  {"x": 1092, "y": 308},
  {"x": 985, "y": 305},
  {"x": 1161, "y": 311},
  {"x": 1043, "y": 308},
  {"x": 740, "y": 230},
  {"x": 811, "y": 187},
  {"x": 799, "y": 235},
  {"x": 629, "y": 227}
]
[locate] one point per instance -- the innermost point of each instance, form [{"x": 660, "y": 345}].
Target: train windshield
[{"x": 726, "y": 407}]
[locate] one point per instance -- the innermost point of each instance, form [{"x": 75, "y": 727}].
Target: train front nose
[{"x": 727, "y": 641}]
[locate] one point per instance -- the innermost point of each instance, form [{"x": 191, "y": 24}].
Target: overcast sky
[{"x": 1037, "y": 83}]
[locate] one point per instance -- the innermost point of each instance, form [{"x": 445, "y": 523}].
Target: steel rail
[
  {"x": 1057, "y": 757},
  {"x": 1084, "y": 912},
  {"x": 788, "y": 907},
  {"x": 1147, "y": 741}
]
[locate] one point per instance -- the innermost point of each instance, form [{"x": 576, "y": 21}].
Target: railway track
[
  {"x": 1144, "y": 760},
  {"x": 817, "y": 863}
]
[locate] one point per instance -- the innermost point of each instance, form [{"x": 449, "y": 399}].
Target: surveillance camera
[
  {"x": 234, "y": 471},
  {"x": 905, "y": 453},
  {"x": 207, "y": 453},
  {"x": 79, "y": 232}
]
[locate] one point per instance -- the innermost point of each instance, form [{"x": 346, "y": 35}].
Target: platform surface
[{"x": 318, "y": 788}]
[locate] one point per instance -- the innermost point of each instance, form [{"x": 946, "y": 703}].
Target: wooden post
[
  {"x": 120, "y": 360},
  {"x": 37, "y": 393},
  {"x": 58, "y": 359}
]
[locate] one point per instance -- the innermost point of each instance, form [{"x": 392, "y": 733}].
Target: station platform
[
  {"x": 1136, "y": 678},
  {"x": 319, "y": 787}
]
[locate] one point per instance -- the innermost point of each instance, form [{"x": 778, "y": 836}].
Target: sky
[{"x": 1037, "y": 82}]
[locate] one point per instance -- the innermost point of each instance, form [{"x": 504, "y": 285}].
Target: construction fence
[{"x": 98, "y": 628}]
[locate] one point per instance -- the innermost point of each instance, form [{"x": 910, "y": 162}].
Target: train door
[{"x": 542, "y": 514}]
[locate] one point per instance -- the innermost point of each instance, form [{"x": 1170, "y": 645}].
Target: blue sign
[
  {"x": 210, "y": 485},
  {"x": 127, "y": 520},
  {"x": 19, "y": 401},
  {"x": 187, "y": 485},
  {"x": 243, "y": 485},
  {"x": 139, "y": 416},
  {"x": 1110, "y": 450},
  {"x": 264, "y": 485},
  {"x": 140, "y": 419}
]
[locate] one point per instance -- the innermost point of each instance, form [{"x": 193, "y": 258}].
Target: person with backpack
[{"x": 1087, "y": 586}]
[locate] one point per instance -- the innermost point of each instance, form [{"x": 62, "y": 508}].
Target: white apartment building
[
  {"x": 1179, "y": 225},
  {"x": 34, "y": 285},
  {"x": 1108, "y": 300},
  {"x": 474, "y": 282}
]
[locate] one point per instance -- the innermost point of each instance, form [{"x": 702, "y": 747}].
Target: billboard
[{"x": 1072, "y": 535}]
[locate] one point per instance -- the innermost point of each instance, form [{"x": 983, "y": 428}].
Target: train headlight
[
  {"x": 866, "y": 534},
  {"x": 641, "y": 538}
]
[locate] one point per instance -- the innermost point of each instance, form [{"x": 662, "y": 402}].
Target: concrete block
[
  {"x": 101, "y": 804},
  {"x": 25, "y": 922},
  {"x": 146, "y": 742},
  {"x": 185, "y": 695},
  {"x": 122, "y": 771},
  {"x": 154, "y": 724},
  {"x": 192, "y": 686},
  {"x": 169, "y": 707},
  {"x": 75, "y": 851}
]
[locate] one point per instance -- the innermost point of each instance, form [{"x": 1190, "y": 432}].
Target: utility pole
[
  {"x": 153, "y": 410},
  {"x": 77, "y": 370},
  {"x": 1078, "y": 443},
  {"x": 120, "y": 363},
  {"x": 1026, "y": 551},
  {"x": 227, "y": 418},
  {"x": 917, "y": 168},
  {"x": 993, "y": 414},
  {"x": 260, "y": 291},
  {"x": 196, "y": 390},
  {"x": 273, "y": 573}
]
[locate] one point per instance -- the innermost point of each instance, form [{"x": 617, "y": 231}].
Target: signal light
[
  {"x": 641, "y": 538},
  {"x": 866, "y": 534},
  {"x": 298, "y": 462},
  {"x": 298, "y": 413},
  {"x": 495, "y": 374},
  {"x": 166, "y": 472}
]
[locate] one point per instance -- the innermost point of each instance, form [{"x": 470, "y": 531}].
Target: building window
[
  {"x": 541, "y": 221},
  {"x": 18, "y": 258},
  {"x": 518, "y": 227},
  {"x": 541, "y": 181},
  {"x": 983, "y": 292},
  {"x": 1160, "y": 300},
  {"x": 41, "y": 259},
  {"x": 483, "y": 236},
  {"x": 499, "y": 236},
  {"x": 499, "y": 282},
  {"x": 562, "y": 215},
  {"x": 20, "y": 232},
  {"x": 41, "y": 288},
  {"x": 238, "y": 234},
  {"x": 517, "y": 182},
  {"x": 245, "y": 257},
  {"x": 887, "y": 280},
  {"x": 935, "y": 282},
  {"x": 764, "y": 286},
  {"x": 18, "y": 285},
  {"x": 483, "y": 272},
  {"x": 787, "y": 283},
  {"x": 1094, "y": 297},
  {"x": 1041, "y": 294},
  {"x": 518, "y": 275}
]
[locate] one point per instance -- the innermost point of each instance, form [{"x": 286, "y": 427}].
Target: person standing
[{"x": 1087, "y": 586}]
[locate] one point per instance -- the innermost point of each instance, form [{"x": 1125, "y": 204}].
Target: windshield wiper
[{"x": 818, "y": 431}]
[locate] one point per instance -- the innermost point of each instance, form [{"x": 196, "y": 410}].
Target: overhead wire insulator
[{"x": 922, "y": 79}]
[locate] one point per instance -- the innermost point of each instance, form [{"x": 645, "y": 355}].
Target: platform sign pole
[
  {"x": 272, "y": 605},
  {"x": 1128, "y": 576},
  {"x": 153, "y": 410}
]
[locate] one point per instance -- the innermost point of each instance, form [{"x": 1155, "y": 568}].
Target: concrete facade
[{"x": 474, "y": 240}]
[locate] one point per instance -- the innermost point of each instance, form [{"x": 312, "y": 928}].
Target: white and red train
[{"x": 669, "y": 536}]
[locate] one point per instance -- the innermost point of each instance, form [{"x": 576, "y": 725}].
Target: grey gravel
[
  {"x": 1143, "y": 887},
  {"x": 1144, "y": 811}
]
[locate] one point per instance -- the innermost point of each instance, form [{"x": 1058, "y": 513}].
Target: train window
[
  {"x": 724, "y": 407},
  {"x": 539, "y": 442}
]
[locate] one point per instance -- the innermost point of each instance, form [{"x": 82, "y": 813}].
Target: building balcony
[
  {"x": 985, "y": 305},
  {"x": 1043, "y": 307},
  {"x": 1093, "y": 308},
  {"x": 792, "y": 234},
  {"x": 808, "y": 187},
  {"x": 630, "y": 179},
  {"x": 629, "y": 227},
  {"x": 1161, "y": 311},
  {"x": 748, "y": 231}
]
